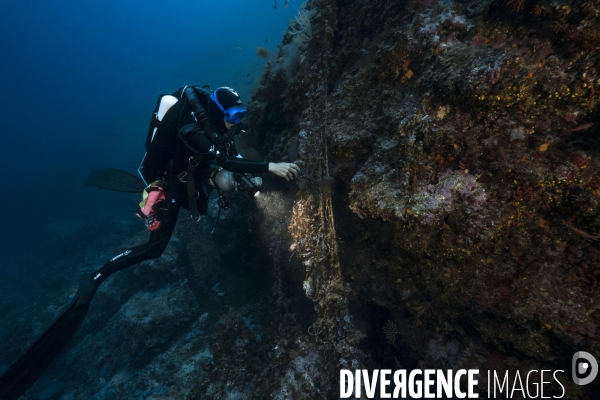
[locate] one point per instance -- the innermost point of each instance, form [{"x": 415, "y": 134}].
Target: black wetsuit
[
  {"x": 193, "y": 141},
  {"x": 209, "y": 143}
]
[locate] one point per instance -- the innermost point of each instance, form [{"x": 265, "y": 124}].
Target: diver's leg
[
  {"x": 153, "y": 249},
  {"x": 28, "y": 368}
]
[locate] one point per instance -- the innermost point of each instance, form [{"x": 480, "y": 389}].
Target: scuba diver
[{"x": 189, "y": 153}]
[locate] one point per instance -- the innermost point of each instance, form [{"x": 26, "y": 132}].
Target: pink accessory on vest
[{"x": 153, "y": 195}]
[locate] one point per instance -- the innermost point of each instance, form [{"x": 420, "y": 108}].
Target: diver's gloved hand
[
  {"x": 257, "y": 180},
  {"x": 289, "y": 171}
]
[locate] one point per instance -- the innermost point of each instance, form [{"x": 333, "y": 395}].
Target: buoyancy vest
[{"x": 162, "y": 138}]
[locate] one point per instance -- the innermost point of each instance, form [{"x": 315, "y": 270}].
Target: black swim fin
[
  {"x": 19, "y": 377},
  {"x": 116, "y": 180}
]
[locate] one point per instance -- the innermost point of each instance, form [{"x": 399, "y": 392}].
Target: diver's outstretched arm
[{"x": 19, "y": 377}]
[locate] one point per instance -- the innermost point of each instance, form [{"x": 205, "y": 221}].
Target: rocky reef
[
  {"x": 448, "y": 208},
  {"x": 447, "y": 216}
]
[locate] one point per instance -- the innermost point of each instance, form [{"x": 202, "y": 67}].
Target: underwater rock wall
[
  {"x": 446, "y": 217},
  {"x": 450, "y": 180}
]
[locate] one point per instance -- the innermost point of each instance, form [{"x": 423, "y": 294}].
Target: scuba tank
[
  {"x": 166, "y": 102},
  {"x": 161, "y": 140}
]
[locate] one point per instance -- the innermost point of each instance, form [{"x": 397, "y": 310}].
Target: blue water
[{"x": 79, "y": 81}]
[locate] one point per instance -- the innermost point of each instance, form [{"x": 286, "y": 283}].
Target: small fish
[
  {"x": 582, "y": 127},
  {"x": 266, "y": 40},
  {"x": 239, "y": 48}
]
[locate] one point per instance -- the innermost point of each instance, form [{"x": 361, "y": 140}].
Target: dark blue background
[{"x": 79, "y": 81}]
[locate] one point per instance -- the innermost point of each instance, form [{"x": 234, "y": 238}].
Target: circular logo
[{"x": 584, "y": 372}]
